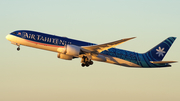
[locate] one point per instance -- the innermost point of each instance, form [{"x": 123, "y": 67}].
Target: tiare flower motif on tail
[{"x": 160, "y": 52}]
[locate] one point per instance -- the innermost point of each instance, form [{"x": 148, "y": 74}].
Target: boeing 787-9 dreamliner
[{"x": 69, "y": 49}]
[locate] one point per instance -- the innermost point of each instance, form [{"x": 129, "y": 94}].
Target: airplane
[{"x": 69, "y": 49}]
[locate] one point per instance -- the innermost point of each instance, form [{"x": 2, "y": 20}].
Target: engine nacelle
[
  {"x": 71, "y": 50},
  {"x": 64, "y": 56}
]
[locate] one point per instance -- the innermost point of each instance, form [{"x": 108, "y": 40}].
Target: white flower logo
[{"x": 160, "y": 52}]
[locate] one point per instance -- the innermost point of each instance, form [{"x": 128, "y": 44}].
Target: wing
[{"x": 106, "y": 46}]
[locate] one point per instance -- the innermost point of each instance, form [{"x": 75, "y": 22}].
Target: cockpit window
[{"x": 14, "y": 33}]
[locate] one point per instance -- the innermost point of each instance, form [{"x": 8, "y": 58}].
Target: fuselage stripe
[{"x": 44, "y": 44}]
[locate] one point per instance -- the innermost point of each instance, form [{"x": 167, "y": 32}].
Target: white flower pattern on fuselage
[{"x": 160, "y": 52}]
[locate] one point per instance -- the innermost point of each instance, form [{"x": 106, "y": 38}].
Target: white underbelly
[{"x": 34, "y": 44}]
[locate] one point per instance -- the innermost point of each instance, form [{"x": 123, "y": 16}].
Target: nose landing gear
[
  {"x": 86, "y": 61},
  {"x": 18, "y": 49}
]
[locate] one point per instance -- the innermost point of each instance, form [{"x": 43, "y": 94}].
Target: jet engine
[
  {"x": 64, "y": 56},
  {"x": 68, "y": 52},
  {"x": 71, "y": 50}
]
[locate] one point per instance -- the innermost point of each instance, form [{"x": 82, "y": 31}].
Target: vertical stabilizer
[{"x": 158, "y": 52}]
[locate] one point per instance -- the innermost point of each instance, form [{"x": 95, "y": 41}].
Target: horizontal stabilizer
[{"x": 162, "y": 62}]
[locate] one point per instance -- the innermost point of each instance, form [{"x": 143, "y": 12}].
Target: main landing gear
[{"x": 86, "y": 62}]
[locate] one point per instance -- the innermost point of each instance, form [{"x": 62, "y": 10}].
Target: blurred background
[{"x": 38, "y": 75}]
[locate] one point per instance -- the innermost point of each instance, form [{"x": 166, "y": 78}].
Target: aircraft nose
[{"x": 8, "y": 37}]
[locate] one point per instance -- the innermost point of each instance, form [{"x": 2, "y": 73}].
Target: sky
[{"x": 38, "y": 75}]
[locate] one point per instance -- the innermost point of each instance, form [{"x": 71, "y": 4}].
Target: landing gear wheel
[
  {"x": 91, "y": 62},
  {"x": 82, "y": 64},
  {"x": 87, "y": 64},
  {"x": 18, "y": 48}
]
